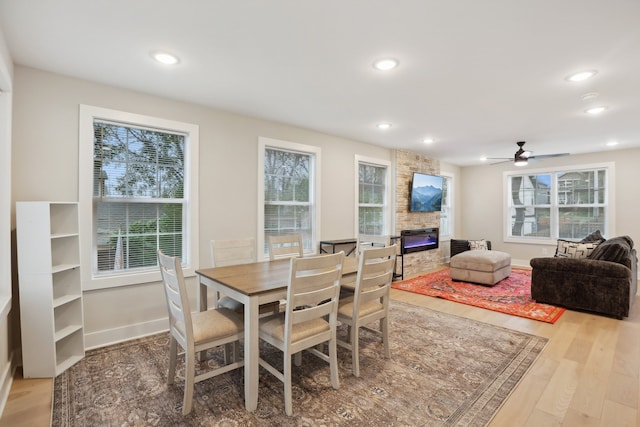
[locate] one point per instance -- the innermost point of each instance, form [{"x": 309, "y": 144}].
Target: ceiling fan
[{"x": 522, "y": 156}]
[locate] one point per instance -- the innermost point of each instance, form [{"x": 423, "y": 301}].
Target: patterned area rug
[
  {"x": 511, "y": 295},
  {"x": 445, "y": 370}
]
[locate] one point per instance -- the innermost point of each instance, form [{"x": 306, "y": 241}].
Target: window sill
[{"x": 128, "y": 279}]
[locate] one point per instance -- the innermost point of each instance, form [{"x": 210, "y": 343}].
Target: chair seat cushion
[
  {"x": 214, "y": 324},
  {"x": 345, "y": 309},
  {"x": 274, "y": 326}
]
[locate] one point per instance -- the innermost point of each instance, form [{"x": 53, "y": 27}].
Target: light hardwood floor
[{"x": 588, "y": 374}]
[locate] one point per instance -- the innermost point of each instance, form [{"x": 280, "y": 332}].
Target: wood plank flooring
[{"x": 588, "y": 374}]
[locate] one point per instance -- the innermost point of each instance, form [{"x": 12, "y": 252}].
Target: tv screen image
[{"x": 426, "y": 193}]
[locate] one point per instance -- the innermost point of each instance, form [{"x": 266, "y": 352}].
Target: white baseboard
[
  {"x": 125, "y": 333},
  {"x": 6, "y": 380},
  {"x": 522, "y": 263}
]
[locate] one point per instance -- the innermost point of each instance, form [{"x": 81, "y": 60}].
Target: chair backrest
[
  {"x": 375, "y": 274},
  {"x": 366, "y": 241},
  {"x": 231, "y": 252},
  {"x": 313, "y": 290},
  {"x": 180, "y": 325},
  {"x": 285, "y": 246}
]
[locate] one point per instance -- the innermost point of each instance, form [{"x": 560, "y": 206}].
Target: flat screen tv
[{"x": 426, "y": 193}]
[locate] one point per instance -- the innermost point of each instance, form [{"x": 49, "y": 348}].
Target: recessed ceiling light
[
  {"x": 612, "y": 143},
  {"x": 384, "y": 126},
  {"x": 165, "y": 58},
  {"x": 385, "y": 64},
  {"x": 428, "y": 140},
  {"x": 595, "y": 110},
  {"x": 582, "y": 75}
]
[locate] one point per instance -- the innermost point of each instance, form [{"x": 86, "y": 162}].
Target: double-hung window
[
  {"x": 288, "y": 192},
  {"x": 446, "y": 214},
  {"x": 140, "y": 197},
  {"x": 372, "y": 188},
  {"x": 569, "y": 203}
]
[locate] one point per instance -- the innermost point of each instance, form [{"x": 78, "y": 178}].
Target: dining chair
[
  {"x": 194, "y": 332},
  {"x": 363, "y": 242},
  {"x": 366, "y": 241},
  {"x": 234, "y": 252},
  {"x": 310, "y": 317},
  {"x": 285, "y": 246},
  {"x": 369, "y": 302}
]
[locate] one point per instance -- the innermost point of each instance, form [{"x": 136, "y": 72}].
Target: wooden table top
[{"x": 259, "y": 277}]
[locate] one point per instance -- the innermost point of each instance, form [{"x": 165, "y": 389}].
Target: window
[
  {"x": 372, "y": 187},
  {"x": 553, "y": 204},
  {"x": 288, "y": 192},
  {"x": 446, "y": 214},
  {"x": 140, "y": 198}
]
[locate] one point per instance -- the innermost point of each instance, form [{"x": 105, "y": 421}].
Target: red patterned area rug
[{"x": 511, "y": 295}]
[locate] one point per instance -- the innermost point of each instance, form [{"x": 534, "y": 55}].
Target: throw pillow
[
  {"x": 614, "y": 250},
  {"x": 596, "y": 236},
  {"x": 568, "y": 249},
  {"x": 478, "y": 245}
]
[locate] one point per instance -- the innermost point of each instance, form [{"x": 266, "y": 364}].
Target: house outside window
[
  {"x": 566, "y": 204},
  {"x": 139, "y": 197},
  {"x": 372, "y": 190},
  {"x": 288, "y": 193}
]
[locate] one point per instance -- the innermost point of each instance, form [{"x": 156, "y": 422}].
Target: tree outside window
[
  {"x": 138, "y": 198},
  {"x": 288, "y": 207}
]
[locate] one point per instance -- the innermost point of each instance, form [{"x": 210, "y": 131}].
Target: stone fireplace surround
[{"x": 406, "y": 163}]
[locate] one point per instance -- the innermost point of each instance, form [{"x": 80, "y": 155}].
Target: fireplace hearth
[{"x": 420, "y": 239}]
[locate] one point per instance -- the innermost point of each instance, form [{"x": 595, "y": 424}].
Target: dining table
[{"x": 254, "y": 284}]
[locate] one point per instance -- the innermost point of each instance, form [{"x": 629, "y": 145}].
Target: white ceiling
[{"x": 475, "y": 75}]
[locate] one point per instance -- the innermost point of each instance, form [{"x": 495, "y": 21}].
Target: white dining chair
[
  {"x": 309, "y": 320},
  {"x": 285, "y": 246},
  {"x": 369, "y": 301},
  {"x": 366, "y": 241},
  {"x": 234, "y": 252},
  {"x": 194, "y": 332},
  {"x": 363, "y": 242}
]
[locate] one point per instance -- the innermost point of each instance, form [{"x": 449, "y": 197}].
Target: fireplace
[{"x": 418, "y": 240}]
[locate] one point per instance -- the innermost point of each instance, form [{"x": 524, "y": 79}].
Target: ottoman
[{"x": 485, "y": 267}]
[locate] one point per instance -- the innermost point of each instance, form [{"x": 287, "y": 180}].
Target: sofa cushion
[
  {"x": 596, "y": 236},
  {"x": 476, "y": 245},
  {"x": 616, "y": 249},
  {"x": 569, "y": 249},
  {"x": 458, "y": 246}
]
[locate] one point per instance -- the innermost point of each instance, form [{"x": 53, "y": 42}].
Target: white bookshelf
[{"x": 50, "y": 287}]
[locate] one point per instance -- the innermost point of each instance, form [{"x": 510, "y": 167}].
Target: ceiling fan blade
[
  {"x": 499, "y": 158},
  {"x": 547, "y": 156}
]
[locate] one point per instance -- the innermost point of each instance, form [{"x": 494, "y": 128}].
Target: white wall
[
  {"x": 46, "y": 140},
  {"x": 482, "y": 200},
  {"x": 6, "y": 333}
]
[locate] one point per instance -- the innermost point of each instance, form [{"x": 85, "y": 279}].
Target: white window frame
[
  {"x": 450, "y": 205},
  {"x": 609, "y": 204},
  {"x": 87, "y": 115},
  {"x": 387, "y": 193},
  {"x": 314, "y": 191}
]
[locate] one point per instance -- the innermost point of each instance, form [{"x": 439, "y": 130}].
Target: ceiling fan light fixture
[{"x": 520, "y": 161}]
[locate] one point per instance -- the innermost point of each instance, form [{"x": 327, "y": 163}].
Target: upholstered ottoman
[{"x": 485, "y": 267}]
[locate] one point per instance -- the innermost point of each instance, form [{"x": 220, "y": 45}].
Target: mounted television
[{"x": 426, "y": 193}]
